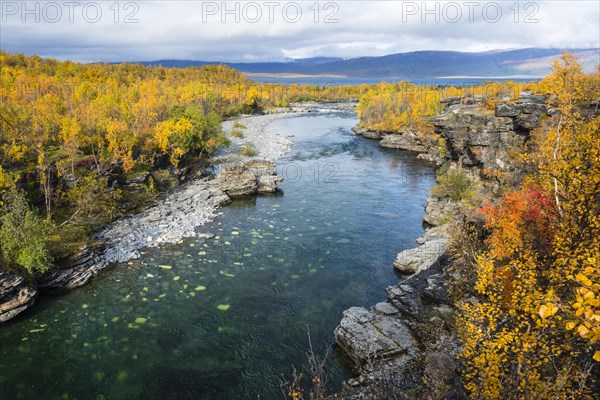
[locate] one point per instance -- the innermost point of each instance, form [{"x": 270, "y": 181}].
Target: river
[{"x": 227, "y": 317}]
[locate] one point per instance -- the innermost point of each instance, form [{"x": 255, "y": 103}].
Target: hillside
[{"x": 531, "y": 62}]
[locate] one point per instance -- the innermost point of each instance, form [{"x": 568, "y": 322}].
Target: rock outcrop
[
  {"x": 235, "y": 180},
  {"x": 15, "y": 295},
  {"x": 405, "y": 140},
  {"x": 137, "y": 181},
  {"x": 482, "y": 138},
  {"x": 243, "y": 179},
  {"x": 439, "y": 210},
  {"x": 432, "y": 248},
  {"x": 368, "y": 133},
  {"x": 422, "y": 257},
  {"x": 75, "y": 271},
  {"x": 396, "y": 342},
  {"x": 370, "y": 337}
]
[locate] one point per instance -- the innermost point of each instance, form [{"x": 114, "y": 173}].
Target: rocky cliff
[
  {"x": 406, "y": 347},
  {"x": 476, "y": 137}
]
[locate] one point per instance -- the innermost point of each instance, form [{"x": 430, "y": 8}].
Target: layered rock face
[
  {"x": 405, "y": 140},
  {"x": 15, "y": 295},
  {"x": 482, "y": 138},
  {"x": 390, "y": 343},
  {"x": 74, "y": 272},
  {"x": 371, "y": 337},
  {"x": 479, "y": 140}
]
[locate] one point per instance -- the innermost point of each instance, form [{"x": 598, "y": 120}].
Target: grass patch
[
  {"x": 237, "y": 133},
  {"x": 238, "y": 125},
  {"x": 249, "y": 151}
]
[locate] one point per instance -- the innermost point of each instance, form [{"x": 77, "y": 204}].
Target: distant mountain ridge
[{"x": 530, "y": 62}]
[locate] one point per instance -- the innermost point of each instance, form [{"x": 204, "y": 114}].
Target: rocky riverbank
[
  {"x": 405, "y": 347},
  {"x": 16, "y": 295},
  {"x": 404, "y": 140},
  {"x": 178, "y": 215},
  {"x": 268, "y": 145}
]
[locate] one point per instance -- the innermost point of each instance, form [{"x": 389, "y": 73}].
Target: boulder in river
[
  {"x": 236, "y": 180},
  {"x": 242, "y": 179}
]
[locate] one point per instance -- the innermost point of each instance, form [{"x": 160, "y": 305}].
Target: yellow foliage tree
[
  {"x": 70, "y": 133},
  {"x": 120, "y": 141},
  {"x": 165, "y": 131},
  {"x": 535, "y": 328}
]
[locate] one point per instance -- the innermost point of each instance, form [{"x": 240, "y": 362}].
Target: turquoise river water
[{"x": 227, "y": 318}]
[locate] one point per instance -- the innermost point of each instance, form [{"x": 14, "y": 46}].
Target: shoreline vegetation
[
  {"x": 501, "y": 294},
  {"x": 502, "y": 299}
]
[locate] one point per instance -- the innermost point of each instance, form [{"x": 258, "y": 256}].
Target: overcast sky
[{"x": 275, "y": 30}]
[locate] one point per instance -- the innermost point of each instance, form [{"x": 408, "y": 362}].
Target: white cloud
[{"x": 208, "y": 30}]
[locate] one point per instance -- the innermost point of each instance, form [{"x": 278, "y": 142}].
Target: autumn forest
[{"x": 527, "y": 245}]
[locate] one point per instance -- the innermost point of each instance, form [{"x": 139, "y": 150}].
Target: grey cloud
[{"x": 365, "y": 28}]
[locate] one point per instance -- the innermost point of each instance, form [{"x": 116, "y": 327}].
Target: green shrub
[
  {"x": 93, "y": 201},
  {"x": 453, "y": 183},
  {"x": 164, "y": 180},
  {"x": 68, "y": 239},
  {"x": 24, "y": 236}
]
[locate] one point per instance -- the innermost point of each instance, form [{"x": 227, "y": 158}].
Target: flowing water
[{"x": 227, "y": 318}]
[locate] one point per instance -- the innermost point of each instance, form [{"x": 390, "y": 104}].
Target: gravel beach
[{"x": 195, "y": 203}]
